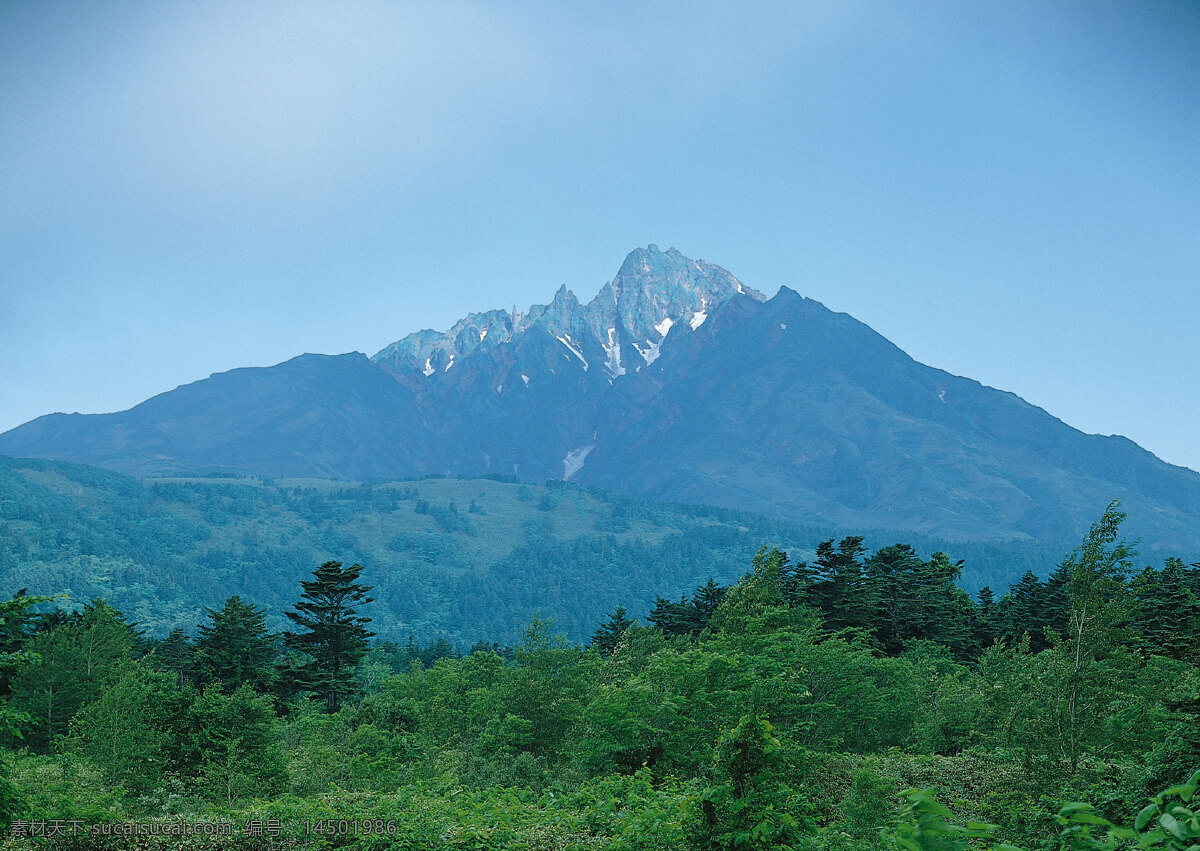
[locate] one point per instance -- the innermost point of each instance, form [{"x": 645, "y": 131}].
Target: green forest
[
  {"x": 848, "y": 700},
  {"x": 454, "y": 559}
]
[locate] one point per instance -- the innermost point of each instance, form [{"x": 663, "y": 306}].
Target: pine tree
[
  {"x": 670, "y": 618},
  {"x": 947, "y": 609},
  {"x": 984, "y": 623},
  {"x": 335, "y": 637},
  {"x": 1168, "y": 611},
  {"x": 706, "y": 599},
  {"x": 1054, "y": 605},
  {"x": 1022, "y": 609},
  {"x": 839, "y": 584},
  {"x": 608, "y": 636},
  {"x": 896, "y": 597},
  {"x": 175, "y": 653},
  {"x": 235, "y": 647}
]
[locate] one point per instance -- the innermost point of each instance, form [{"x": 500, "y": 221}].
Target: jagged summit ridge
[{"x": 622, "y": 328}]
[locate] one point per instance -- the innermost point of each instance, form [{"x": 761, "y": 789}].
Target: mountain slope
[
  {"x": 834, "y": 423},
  {"x": 314, "y": 415},
  {"x": 676, "y": 382}
]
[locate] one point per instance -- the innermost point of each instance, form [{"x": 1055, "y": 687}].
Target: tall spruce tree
[
  {"x": 896, "y": 598},
  {"x": 608, "y": 636},
  {"x": 983, "y": 624},
  {"x": 706, "y": 599},
  {"x": 1168, "y": 611},
  {"x": 176, "y": 654},
  {"x": 334, "y": 637},
  {"x": 235, "y": 648},
  {"x": 672, "y": 619},
  {"x": 839, "y": 584}
]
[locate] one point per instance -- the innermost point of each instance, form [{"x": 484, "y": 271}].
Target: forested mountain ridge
[
  {"x": 457, "y": 559},
  {"x": 675, "y": 383}
]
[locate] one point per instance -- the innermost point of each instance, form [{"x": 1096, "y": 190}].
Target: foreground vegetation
[{"x": 855, "y": 702}]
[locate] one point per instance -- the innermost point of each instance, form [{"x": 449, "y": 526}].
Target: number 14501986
[{"x": 350, "y": 827}]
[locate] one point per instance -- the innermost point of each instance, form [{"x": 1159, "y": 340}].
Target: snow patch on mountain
[
  {"x": 698, "y": 319},
  {"x": 664, "y": 326},
  {"x": 573, "y": 463},
  {"x": 428, "y": 370},
  {"x": 566, "y": 341},
  {"x": 613, "y": 349},
  {"x": 650, "y": 355}
]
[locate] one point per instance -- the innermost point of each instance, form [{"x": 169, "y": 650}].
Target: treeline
[
  {"x": 788, "y": 710},
  {"x": 895, "y": 598}
]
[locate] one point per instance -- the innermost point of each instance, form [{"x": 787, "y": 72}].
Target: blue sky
[{"x": 1006, "y": 190}]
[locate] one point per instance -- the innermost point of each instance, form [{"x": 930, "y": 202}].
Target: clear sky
[{"x": 1007, "y": 190}]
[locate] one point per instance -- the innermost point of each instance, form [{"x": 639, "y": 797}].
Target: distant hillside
[
  {"x": 463, "y": 559},
  {"x": 675, "y": 383}
]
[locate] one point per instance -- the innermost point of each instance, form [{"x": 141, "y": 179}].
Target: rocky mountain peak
[{"x": 653, "y": 292}]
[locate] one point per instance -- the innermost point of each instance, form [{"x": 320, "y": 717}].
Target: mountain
[{"x": 676, "y": 382}]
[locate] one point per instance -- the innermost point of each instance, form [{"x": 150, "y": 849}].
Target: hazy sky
[{"x": 1007, "y": 190}]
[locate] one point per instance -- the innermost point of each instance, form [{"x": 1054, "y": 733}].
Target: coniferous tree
[
  {"x": 74, "y": 662},
  {"x": 335, "y": 636},
  {"x": 53, "y": 619},
  {"x": 984, "y": 622},
  {"x": 706, "y": 599},
  {"x": 608, "y": 636},
  {"x": 946, "y": 610},
  {"x": 1023, "y": 611},
  {"x": 439, "y": 649},
  {"x": 1054, "y": 605},
  {"x": 839, "y": 584},
  {"x": 1168, "y": 611},
  {"x": 235, "y": 648},
  {"x": 671, "y": 618},
  {"x": 175, "y": 653},
  {"x": 895, "y": 598}
]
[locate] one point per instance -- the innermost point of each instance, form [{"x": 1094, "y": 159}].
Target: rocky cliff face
[
  {"x": 622, "y": 328},
  {"x": 676, "y": 382}
]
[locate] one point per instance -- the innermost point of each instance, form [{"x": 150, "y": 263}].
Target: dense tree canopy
[{"x": 824, "y": 705}]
